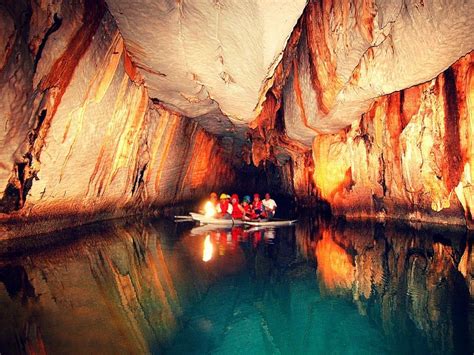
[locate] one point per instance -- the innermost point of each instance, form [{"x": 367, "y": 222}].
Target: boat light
[{"x": 209, "y": 209}]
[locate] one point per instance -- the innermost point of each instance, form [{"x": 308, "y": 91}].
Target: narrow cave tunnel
[{"x": 118, "y": 119}]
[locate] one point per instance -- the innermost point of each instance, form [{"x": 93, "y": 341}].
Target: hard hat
[
  {"x": 247, "y": 198},
  {"x": 224, "y": 196},
  {"x": 256, "y": 195},
  {"x": 235, "y": 196}
]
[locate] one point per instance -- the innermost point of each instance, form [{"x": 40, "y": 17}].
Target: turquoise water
[{"x": 320, "y": 287}]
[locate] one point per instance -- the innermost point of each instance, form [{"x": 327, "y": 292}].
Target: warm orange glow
[
  {"x": 335, "y": 267},
  {"x": 332, "y": 169},
  {"x": 208, "y": 249},
  {"x": 209, "y": 209}
]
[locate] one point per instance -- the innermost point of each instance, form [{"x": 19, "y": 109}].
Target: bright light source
[{"x": 209, "y": 209}]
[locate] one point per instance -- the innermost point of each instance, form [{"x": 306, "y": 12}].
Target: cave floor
[{"x": 321, "y": 286}]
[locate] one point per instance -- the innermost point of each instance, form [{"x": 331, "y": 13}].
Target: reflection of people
[
  {"x": 224, "y": 207},
  {"x": 270, "y": 205},
  {"x": 269, "y": 235}
]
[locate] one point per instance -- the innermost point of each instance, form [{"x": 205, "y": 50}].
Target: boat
[
  {"x": 236, "y": 222},
  {"x": 218, "y": 221},
  {"x": 271, "y": 223}
]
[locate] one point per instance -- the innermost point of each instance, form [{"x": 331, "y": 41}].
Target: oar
[{"x": 183, "y": 217}]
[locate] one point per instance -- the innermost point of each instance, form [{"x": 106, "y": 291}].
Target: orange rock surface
[
  {"x": 82, "y": 137},
  {"x": 408, "y": 157},
  {"x": 357, "y": 107}
]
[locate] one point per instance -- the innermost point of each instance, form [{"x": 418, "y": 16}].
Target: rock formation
[
  {"x": 81, "y": 135},
  {"x": 409, "y": 156},
  {"x": 109, "y": 108}
]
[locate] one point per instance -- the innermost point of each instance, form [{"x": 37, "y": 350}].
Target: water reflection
[
  {"x": 405, "y": 279},
  {"x": 154, "y": 286},
  {"x": 208, "y": 249}
]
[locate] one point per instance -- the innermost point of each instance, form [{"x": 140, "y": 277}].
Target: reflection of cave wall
[
  {"x": 406, "y": 280},
  {"x": 79, "y": 133},
  {"x": 122, "y": 278}
]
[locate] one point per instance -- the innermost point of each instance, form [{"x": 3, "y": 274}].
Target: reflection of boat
[
  {"x": 211, "y": 220},
  {"x": 271, "y": 223},
  {"x": 205, "y": 228}
]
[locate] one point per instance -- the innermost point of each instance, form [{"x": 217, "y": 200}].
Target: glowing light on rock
[
  {"x": 208, "y": 249},
  {"x": 332, "y": 169}
]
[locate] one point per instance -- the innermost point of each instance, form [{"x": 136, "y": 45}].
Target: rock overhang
[
  {"x": 201, "y": 56},
  {"x": 215, "y": 59}
]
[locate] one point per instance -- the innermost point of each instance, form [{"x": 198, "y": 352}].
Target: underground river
[{"x": 138, "y": 286}]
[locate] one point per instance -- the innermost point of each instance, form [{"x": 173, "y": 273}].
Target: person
[
  {"x": 258, "y": 209},
  {"x": 237, "y": 209},
  {"x": 248, "y": 211},
  {"x": 270, "y": 205},
  {"x": 211, "y": 205},
  {"x": 224, "y": 207},
  {"x": 213, "y": 198}
]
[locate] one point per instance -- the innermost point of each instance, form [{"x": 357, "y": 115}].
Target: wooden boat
[{"x": 218, "y": 221}]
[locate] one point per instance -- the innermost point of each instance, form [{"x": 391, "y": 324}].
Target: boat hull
[
  {"x": 236, "y": 222},
  {"x": 270, "y": 223},
  {"x": 217, "y": 221}
]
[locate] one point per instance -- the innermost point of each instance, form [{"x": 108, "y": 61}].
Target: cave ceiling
[
  {"x": 214, "y": 60},
  {"x": 207, "y": 56}
]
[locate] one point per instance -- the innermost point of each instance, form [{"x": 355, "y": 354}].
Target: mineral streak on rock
[
  {"x": 352, "y": 52},
  {"x": 366, "y": 105},
  {"x": 408, "y": 157},
  {"x": 81, "y": 134}
]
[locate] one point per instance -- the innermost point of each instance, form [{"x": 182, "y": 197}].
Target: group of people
[{"x": 229, "y": 207}]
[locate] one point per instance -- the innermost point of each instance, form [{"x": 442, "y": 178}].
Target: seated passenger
[
  {"x": 213, "y": 198},
  {"x": 270, "y": 205},
  {"x": 224, "y": 207},
  {"x": 258, "y": 208},
  {"x": 237, "y": 209},
  {"x": 248, "y": 211}
]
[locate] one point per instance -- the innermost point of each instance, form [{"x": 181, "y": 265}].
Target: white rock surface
[
  {"x": 405, "y": 43},
  {"x": 200, "y": 55}
]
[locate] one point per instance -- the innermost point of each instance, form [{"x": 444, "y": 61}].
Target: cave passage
[
  {"x": 118, "y": 117},
  {"x": 144, "y": 286},
  {"x": 112, "y": 108}
]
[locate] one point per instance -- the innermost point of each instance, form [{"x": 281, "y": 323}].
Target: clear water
[{"x": 320, "y": 287}]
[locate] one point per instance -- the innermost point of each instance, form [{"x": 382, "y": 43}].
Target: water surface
[{"x": 323, "y": 287}]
